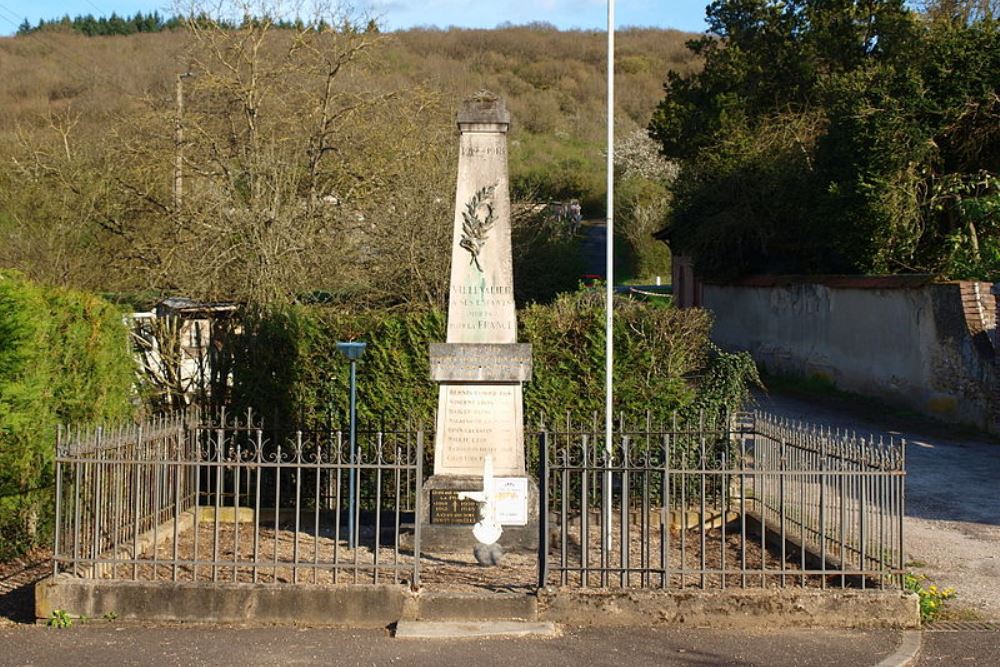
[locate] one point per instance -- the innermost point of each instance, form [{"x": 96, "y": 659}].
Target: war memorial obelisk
[{"x": 481, "y": 367}]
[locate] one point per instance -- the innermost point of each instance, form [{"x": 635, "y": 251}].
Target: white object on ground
[{"x": 488, "y": 530}]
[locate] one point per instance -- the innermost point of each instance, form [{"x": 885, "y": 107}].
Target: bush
[
  {"x": 558, "y": 168},
  {"x": 287, "y": 367},
  {"x": 548, "y": 258},
  {"x": 642, "y": 206},
  {"x": 64, "y": 358}
]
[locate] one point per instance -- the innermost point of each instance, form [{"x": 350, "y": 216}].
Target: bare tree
[{"x": 304, "y": 168}]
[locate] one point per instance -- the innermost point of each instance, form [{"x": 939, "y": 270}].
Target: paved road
[
  {"x": 594, "y": 247},
  {"x": 959, "y": 648},
  {"x": 107, "y": 644},
  {"x": 952, "y": 524}
]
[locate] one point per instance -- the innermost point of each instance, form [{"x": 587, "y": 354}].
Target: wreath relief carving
[{"x": 477, "y": 221}]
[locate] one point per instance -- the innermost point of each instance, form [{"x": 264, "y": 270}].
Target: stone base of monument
[{"x": 447, "y": 522}]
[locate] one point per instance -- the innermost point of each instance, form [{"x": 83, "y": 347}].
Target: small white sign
[{"x": 511, "y": 500}]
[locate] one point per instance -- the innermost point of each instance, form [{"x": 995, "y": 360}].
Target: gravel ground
[
  {"x": 952, "y": 524},
  {"x": 458, "y": 572}
]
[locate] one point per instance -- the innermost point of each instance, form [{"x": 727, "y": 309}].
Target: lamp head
[{"x": 352, "y": 350}]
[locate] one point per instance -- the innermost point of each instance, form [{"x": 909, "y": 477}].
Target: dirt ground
[
  {"x": 17, "y": 580},
  {"x": 277, "y": 551},
  {"x": 284, "y": 556}
]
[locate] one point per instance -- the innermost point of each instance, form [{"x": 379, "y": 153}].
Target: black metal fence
[
  {"x": 193, "y": 498},
  {"x": 752, "y": 502}
]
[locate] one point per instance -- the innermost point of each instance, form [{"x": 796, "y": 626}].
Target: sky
[{"x": 395, "y": 14}]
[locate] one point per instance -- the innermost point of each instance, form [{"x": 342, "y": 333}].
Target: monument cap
[{"x": 484, "y": 107}]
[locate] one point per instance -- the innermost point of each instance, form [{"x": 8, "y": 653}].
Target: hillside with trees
[{"x": 314, "y": 160}]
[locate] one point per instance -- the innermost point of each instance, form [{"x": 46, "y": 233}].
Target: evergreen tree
[{"x": 853, "y": 136}]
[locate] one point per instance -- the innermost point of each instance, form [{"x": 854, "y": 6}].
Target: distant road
[{"x": 595, "y": 239}]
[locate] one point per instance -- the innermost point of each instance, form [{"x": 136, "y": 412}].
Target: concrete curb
[
  {"x": 444, "y": 606},
  {"x": 368, "y": 606},
  {"x": 467, "y": 630},
  {"x": 731, "y": 608},
  {"x": 906, "y": 654}
]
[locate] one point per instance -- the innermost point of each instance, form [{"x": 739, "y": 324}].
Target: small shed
[{"x": 181, "y": 344}]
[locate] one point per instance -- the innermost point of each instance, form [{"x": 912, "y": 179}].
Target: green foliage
[
  {"x": 641, "y": 209},
  {"x": 287, "y": 365},
  {"x": 558, "y": 168},
  {"x": 547, "y": 259},
  {"x": 836, "y": 137},
  {"x": 115, "y": 25},
  {"x": 64, "y": 358},
  {"x": 932, "y": 599},
  {"x": 105, "y": 25},
  {"x": 60, "y": 618},
  {"x": 657, "y": 350},
  {"x": 726, "y": 384}
]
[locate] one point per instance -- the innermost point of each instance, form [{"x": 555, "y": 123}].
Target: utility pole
[{"x": 179, "y": 143}]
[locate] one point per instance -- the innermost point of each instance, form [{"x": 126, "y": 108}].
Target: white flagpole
[{"x": 609, "y": 271}]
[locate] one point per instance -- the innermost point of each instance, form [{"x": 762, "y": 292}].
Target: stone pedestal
[
  {"x": 451, "y": 532},
  {"x": 481, "y": 367}
]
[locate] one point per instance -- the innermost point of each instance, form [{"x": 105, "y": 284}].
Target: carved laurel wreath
[{"x": 475, "y": 229}]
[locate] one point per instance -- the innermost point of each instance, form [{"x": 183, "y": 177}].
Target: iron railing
[
  {"x": 748, "y": 502},
  {"x": 119, "y": 488},
  {"x": 192, "y": 498}
]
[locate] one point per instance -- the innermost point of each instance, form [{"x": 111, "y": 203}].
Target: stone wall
[{"x": 908, "y": 340}]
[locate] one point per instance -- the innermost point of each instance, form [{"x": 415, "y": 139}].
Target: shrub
[
  {"x": 286, "y": 364},
  {"x": 642, "y": 206},
  {"x": 932, "y": 599},
  {"x": 64, "y": 358}
]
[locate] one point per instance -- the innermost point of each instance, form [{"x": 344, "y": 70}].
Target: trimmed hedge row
[
  {"x": 286, "y": 364},
  {"x": 64, "y": 358}
]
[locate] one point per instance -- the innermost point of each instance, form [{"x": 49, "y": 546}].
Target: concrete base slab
[
  {"x": 443, "y": 606},
  {"x": 478, "y": 630},
  {"x": 368, "y": 606},
  {"x": 732, "y": 608}
]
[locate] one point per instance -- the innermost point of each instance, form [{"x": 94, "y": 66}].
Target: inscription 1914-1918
[{"x": 448, "y": 509}]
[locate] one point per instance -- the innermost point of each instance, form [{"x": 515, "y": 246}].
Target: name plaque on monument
[
  {"x": 511, "y": 500},
  {"x": 480, "y": 362},
  {"x": 446, "y": 507}
]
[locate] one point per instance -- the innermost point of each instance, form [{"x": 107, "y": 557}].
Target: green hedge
[
  {"x": 286, "y": 364},
  {"x": 64, "y": 358}
]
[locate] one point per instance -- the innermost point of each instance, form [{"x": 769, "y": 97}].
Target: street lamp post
[{"x": 353, "y": 351}]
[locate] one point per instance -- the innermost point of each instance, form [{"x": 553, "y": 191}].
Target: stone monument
[{"x": 481, "y": 367}]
